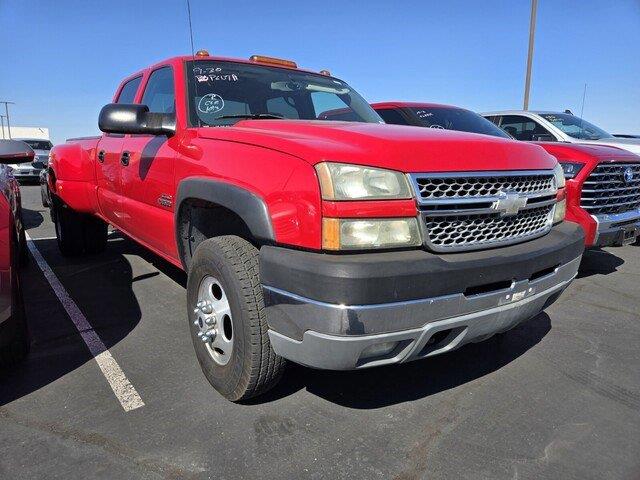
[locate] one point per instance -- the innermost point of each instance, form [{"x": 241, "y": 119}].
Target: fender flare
[{"x": 244, "y": 203}]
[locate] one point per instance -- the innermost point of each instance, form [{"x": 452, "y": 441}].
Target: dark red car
[
  {"x": 603, "y": 183},
  {"x": 14, "y": 338}
]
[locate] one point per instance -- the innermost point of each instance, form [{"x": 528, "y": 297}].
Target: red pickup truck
[
  {"x": 334, "y": 244},
  {"x": 603, "y": 183}
]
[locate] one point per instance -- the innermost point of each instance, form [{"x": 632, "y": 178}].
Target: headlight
[
  {"x": 341, "y": 181},
  {"x": 351, "y": 234},
  {"x": 571, "y": 169},
  {"x": 558, "y": 172},
  {"x": 560, "y": 211}
]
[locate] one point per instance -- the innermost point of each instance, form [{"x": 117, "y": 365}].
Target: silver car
[
  {"x": 31, "y": 171},
  {"x": 557, "y": 127}
]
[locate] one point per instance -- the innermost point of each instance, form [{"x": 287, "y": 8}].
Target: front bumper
[
  {"x": 30, "y": 172},
  {"x": 616, "y": 229},
  {"x": 423, "y": 303}
]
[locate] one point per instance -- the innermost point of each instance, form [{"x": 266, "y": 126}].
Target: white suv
[{"x": 557, "y": 127}]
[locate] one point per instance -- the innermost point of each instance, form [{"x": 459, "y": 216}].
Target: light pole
[
  {"x": 6, "y": 110},
  {"x": 2, "y": 120},
  {"x": 532, "y": 31}
]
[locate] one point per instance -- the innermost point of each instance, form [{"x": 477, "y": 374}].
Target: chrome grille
[
  {"x": 484, "y": 230},
  {"x": 465, "y": 211},
  {"x": 607, "y": 192},
  {"x": 481, "y": 185}
]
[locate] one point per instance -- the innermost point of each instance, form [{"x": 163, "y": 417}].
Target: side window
[
  {"x": 390, "y": 115},
  {"x": 494, "y": 119},
  {"x": 522, "y": 128},
  {"x": 128, "y": 92},
  {"x": 159, "y": 94}
]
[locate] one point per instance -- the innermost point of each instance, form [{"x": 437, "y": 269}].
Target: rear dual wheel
[
  {"x": 227, "y": 319},
  {"x": 77, "y": 233}
]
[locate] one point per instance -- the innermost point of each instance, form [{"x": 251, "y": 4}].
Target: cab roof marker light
[
  {"x": 202, "y": 53},
  {"x": 273, "y": 61},
  {"x": 325, "y": 72}
]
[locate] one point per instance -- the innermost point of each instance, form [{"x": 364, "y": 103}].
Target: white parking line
[{"x": 122, "y": 388}]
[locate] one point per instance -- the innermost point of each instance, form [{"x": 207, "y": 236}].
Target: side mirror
[
  {"x": 15, "y": 151},
  {"x": 135, "y": 119},
  {"x": 544, "y": 137}
]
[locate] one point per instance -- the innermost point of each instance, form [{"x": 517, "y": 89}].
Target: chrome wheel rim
[{"x": 212, "y": 319}]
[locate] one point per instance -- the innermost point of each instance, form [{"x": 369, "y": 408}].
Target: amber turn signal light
[
  {"x": 273, "y": 61},
  {"x": 331, "y": 234}
]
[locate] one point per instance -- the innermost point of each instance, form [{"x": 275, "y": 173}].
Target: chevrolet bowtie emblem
[{"x": 509, "y": 203}]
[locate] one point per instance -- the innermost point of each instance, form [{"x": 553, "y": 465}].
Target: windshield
[
  {"x": 222, "y": 93},
  {"x": 39, "y": 144},
  {"x": 575, "y": 126},
  {"x": 457, "y": 119}
]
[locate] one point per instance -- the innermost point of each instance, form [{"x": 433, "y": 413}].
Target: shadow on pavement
[
  {"x": 32, "y": 218},
  {"x": 101, "y": 285},
  {"x": 598, "y": 262}
]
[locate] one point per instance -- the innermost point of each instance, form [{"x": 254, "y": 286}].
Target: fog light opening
[{"x": 378, "y": 350}]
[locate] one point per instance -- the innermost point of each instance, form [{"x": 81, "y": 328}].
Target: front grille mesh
[
  {"x": 472, "y": 211},
  {"x": 486, "y": 229},
  {"x": 481, "y": 186},
  {"x": 606, "y": 192}
]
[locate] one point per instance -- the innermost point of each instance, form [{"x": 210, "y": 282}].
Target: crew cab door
[
  {"x": 107, "y": 157},
  {"x": 147, "y": 171}
]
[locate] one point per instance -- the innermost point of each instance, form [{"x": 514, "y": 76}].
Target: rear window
[
  {"x": 39, "y": 144},
  {"x": 456, "y": 119}
]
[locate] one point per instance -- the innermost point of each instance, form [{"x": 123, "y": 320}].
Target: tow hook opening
[{"x": 441, "y": 340}]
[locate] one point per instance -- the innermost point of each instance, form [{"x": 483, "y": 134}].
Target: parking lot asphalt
[{"x": 556, "y": 398}]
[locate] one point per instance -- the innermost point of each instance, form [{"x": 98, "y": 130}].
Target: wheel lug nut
[
  {"x": 210, "y": 321},
  {"x": 196, "y": 322},
  {"x": 207, "y": 308}
]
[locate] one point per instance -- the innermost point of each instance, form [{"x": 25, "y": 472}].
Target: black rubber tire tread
[
  {"x": 95, "y": 232},
  {"x": 234, "y": 261},
  {"x": 69, "y": 231}
]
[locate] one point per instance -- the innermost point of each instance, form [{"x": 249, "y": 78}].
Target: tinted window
[
  {"x": 218, "y": 91},
  {"x": 390, "y": 115},
  {"x": 128, "y": 92},
  {"x": 522, "y": 128},
  {"x": 159, "y": 94},
  {"x": 450, "y": 118}
]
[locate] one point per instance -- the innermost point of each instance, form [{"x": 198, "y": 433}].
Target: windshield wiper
[{"x": 253, "y": 116}]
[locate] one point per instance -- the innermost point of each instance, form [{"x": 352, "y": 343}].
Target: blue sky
[{"x": 62, "y": 60}]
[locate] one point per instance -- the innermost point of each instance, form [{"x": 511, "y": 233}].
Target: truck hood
[
  {"x": 587, "y": 152},
  {"x": 630, "y": 144},
  {"x": 402, "y": 148}
]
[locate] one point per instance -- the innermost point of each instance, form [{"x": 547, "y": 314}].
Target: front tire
[{"x": 224, "y": 297}]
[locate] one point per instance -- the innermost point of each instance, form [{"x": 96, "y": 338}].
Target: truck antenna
[
  {"x": 190, "y": 29},
  {"x": 584, "y": 94}
]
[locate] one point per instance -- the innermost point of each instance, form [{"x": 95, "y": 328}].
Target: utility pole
[
  {"x": 6, "y": 110},
  {"x": 532, "y": 31},
  {"x": 2, "y": 120}
]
